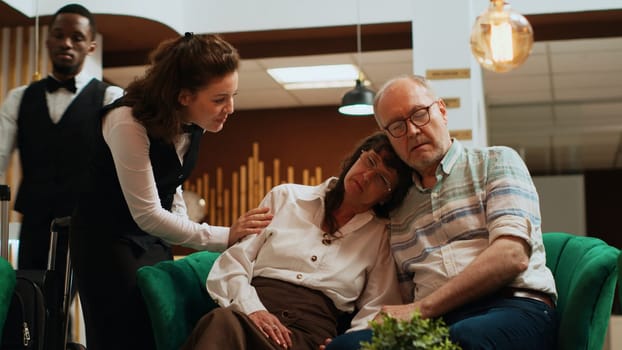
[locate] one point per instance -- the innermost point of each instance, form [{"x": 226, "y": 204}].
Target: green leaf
[{"x": 416, "y": 334}]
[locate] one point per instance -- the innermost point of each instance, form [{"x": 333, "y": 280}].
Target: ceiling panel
[
  {"x": 597, "y": 61},
  {"x": 255, "y": 80},
  {"x": 531, "y": 96},
  {"x": 599, "y": 93},
  {"x": 587, "y": 80},
  {"x": 264, "y": 98},
  {"x": 517, "y": 83},
  {"x": 587, "y": 45}
]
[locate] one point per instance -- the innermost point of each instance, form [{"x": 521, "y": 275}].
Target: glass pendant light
[{"x": 501, "y": 39}]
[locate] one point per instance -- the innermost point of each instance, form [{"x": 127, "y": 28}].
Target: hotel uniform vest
[
  {"x": 103, "y": 198},
  {"x": 54, "y": 156}
]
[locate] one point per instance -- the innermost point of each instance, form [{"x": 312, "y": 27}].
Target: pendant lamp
[
  {"x": 360, "y": 100},
  {"x": 501, "y": 39}
]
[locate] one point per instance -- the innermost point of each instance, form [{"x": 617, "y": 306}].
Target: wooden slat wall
[
  {"x": 248, "y": 187},
  {"x": 17, "y": 67}
]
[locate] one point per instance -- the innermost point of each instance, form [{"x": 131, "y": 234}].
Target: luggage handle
[
  {"x": 5, "y": 198},
  {"x": 58, "y": 225},
  {"x": 55, "y": 227}
]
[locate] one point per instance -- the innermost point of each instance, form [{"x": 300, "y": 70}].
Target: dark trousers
[
  {"x": 495, "y": 323},
  {"x": 309, "y": 314},
  {"x": 34, "y": 242},
  {"x": 115, "y": 315}
]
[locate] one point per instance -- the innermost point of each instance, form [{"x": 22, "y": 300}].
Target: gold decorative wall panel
[{"x": 248, "y": 187}]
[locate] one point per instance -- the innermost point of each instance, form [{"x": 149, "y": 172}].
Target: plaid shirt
[{"x": 480, "y": 195}]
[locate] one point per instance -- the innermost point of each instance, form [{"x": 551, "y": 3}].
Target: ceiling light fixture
[
  {"x": 315, "y": 77},
  {"x": 501, "y": 39},
  {"x": 360, "y": 100}
]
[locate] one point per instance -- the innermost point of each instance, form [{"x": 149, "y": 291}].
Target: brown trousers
[{"x": 309, "y": 314}]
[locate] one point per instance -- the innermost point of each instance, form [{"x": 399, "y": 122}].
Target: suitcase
[{"x": 39, "y": 311}]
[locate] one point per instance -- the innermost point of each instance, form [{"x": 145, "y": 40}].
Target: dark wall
[
  {"x": 302, "y": 138},
  {"x": 603, "y": 205}
]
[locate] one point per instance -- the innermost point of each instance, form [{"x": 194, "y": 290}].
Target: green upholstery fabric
[
  {"x": 585, "y": 270},
  {"x": 175, "y": 295},
  {"x": 7, "y": 283},
  {"x": 620, "y": 277}
]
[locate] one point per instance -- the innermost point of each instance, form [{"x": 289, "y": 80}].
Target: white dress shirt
[
  {"x": 129, "y": 145},
  {"x": 57, "y": 103},
  {"x": 356, "y": 271}
]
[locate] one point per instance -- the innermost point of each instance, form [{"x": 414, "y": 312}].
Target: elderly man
[{"x": 467, "y": 239}]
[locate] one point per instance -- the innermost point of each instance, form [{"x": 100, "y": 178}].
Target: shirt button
[
  {"x": 299, "y": 276},
  {"x": 314, "y": 258}
]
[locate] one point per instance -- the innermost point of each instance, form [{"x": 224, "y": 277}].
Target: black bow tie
[
  {"x": 191, "y": 128},
  {"x": 52, "y": 84}
]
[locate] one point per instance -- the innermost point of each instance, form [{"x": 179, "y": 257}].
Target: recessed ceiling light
[{"x": 315, "y": 77}]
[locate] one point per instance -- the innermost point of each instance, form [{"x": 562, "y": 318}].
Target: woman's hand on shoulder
[
  {"x": 252, "y": 222},
  {"x": 272, "y": 328}
]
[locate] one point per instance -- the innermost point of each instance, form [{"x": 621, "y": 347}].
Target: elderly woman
[{"x": 325, "y": 253}]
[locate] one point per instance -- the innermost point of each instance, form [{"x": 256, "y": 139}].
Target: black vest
[
  {"x": 54, "y": 157},
  {"x": 102, "y": 204}
]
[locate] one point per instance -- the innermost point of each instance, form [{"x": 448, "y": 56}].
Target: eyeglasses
[
  {"x": 419, "y": 118},
  {"x": 370, "y": 161}
]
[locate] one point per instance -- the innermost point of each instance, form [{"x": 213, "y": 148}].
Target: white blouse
[
  {"x": 129, "y": 144},
  {"x": 356, "y": 271}
]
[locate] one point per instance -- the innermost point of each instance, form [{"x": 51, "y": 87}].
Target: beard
[{"x": 425, "y": 162}]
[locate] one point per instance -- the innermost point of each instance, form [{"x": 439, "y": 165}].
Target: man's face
[
  {"x": 420, "y": 147},
  {"x": 69, "y": 42}
]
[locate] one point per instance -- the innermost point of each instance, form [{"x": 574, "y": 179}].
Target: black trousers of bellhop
[{"x": 34, "y": 242}]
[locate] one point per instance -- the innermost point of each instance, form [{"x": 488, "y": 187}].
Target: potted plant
[{"x": 416, "y": 334}]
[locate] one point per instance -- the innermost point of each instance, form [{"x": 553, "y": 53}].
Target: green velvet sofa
[
  {"x": 585, "y": 270},
  {"x": 7, "y": 284}
]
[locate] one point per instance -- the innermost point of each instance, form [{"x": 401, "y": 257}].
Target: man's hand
[
  {"x": 401, "y": 312},
  {"x": 250, "y": 223},
  {"x": 272, "y": 328}
]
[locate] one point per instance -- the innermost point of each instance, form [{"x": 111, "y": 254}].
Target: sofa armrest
[
  {"x": 175, "y": 296},
  {"x": 7, "y": 284}
]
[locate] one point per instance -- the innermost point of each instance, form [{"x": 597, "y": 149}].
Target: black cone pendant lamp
[{"x": 360, "y": 100}]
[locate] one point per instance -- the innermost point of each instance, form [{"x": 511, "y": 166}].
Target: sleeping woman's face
[{"x": 369, "y": 180}]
